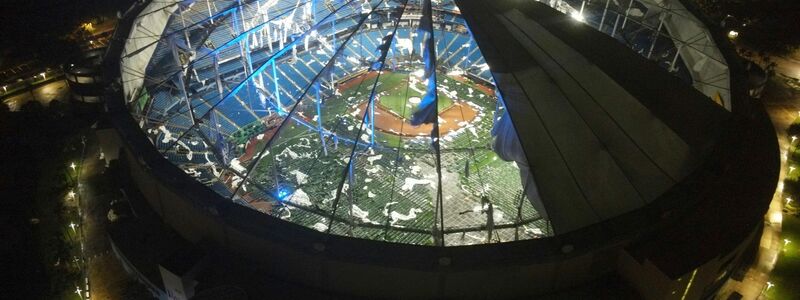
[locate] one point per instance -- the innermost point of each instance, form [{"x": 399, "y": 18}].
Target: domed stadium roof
[{"x": 396, "y": 121}]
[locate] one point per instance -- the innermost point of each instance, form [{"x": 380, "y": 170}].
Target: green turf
[
  {"x": 389, "y": 140},
  {"x": 247, "y": 132},
  {"x": 396, "y": 86},
  {"x": 489, "y": 176},
  {"x": 786, "y": 275}
]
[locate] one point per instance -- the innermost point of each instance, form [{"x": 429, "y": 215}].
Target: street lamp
[
  {"x": 73, "y": 166},
  {"x": 44, "y": 75},
  {"x": 78, "y": 291},
  {"x": 733, "y": 34},
  {"x": 72, "y": 225},
  {"x": 71, "y": 194},
  {"x": 786, "y": 242}
]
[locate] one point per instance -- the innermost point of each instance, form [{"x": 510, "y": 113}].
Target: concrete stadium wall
[
  {"x": 131, "y": 269},
  {"x": 651, "y": 283}
]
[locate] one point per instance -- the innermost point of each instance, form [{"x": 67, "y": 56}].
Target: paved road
[
  {"x": 789, "y": 66},
  {"x": 44, "y": 94},
  {"x": 107, "y": 277}
]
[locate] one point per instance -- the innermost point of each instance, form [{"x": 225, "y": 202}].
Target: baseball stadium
[
  {"x": 317, "y": 134},
  {"x": 473, "y": 149}
]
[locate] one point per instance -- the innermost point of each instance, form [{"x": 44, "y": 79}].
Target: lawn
[{"x": 786, "y": 275}]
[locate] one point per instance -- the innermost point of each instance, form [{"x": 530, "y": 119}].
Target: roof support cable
[
  {"x": 428, "y": 112},
  {"x": 214, "y": 53},
  {"x": 353, "y": 152},
  {"x": 291, "y": 113},
  {"x": 260, "y": 69}
]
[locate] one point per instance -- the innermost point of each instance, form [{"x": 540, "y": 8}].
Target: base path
[{"x": 391, "y": 123}]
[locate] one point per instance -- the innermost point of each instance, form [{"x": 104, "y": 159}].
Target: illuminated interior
[{"x": 283, "y": 95}]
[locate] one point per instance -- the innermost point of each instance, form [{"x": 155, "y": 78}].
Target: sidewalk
[
  {"x": 44, "y": 94},
  {"x": 783, "y": 106},
  {"x": 107, "y": 277}
]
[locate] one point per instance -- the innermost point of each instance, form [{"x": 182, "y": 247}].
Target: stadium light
[
  {"x": 577, "y": 16},
  {"x": 283, "y": 193}
]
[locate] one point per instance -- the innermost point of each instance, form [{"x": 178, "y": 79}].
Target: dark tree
[
  {"x": 48, "y": 31},
  {"x": 769, "y": 26}
]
